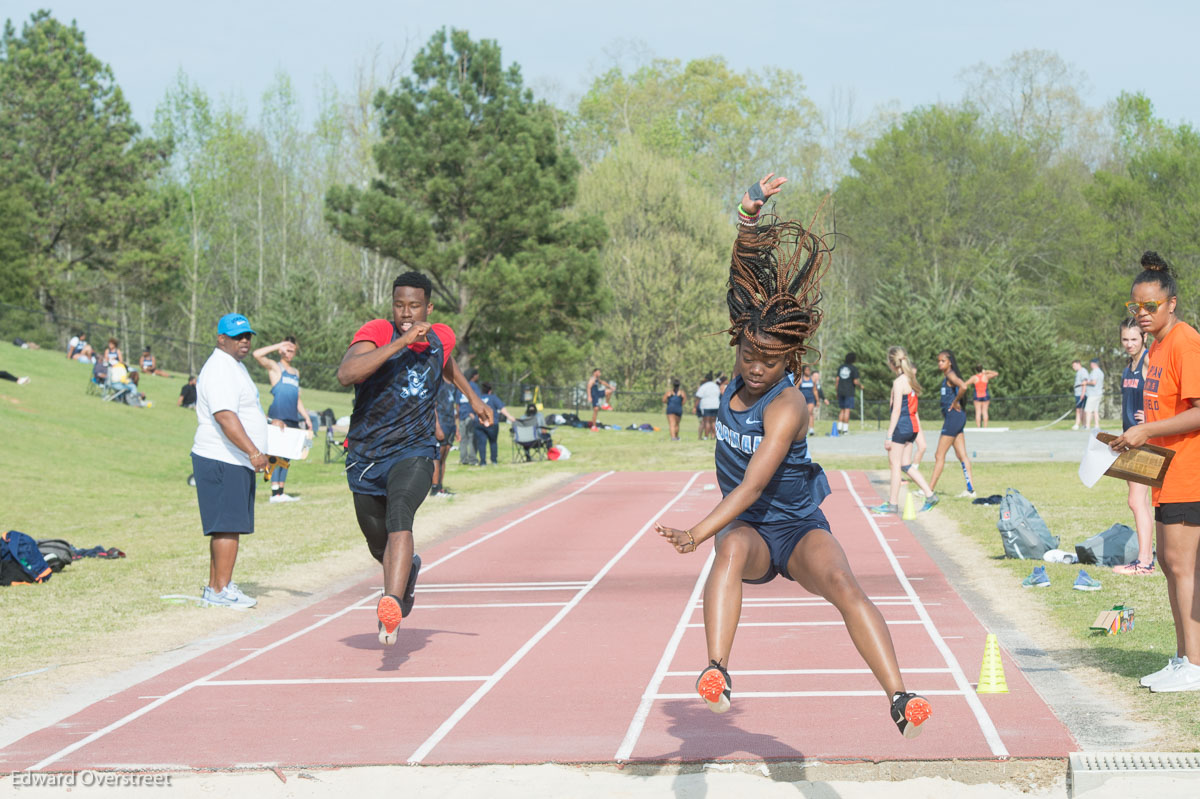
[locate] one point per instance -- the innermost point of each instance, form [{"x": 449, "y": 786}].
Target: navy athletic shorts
[
  {"x": 953, "y": 423},
  {"x": 846, "y": 403},
  {"x": 781, "y": 538},
  {"x": 903, "y": 437},
  {"x": 225, "y": 492}
]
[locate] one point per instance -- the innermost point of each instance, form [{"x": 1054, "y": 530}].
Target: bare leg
[
  {"x": 913, "y": 474},
  {"x": 960, "y": 450},
  {"x": 222, "y": 555},
  {"x": 1177, "y": 552},
  {"x": 939, "y": 460},
  {"x": 819, "y": 565},
  {"x": 397, "y": 562},
  {"x": 985, "y": 405},
  {"x": 1143, "y": 520},
  {"x": 741, "y": 554},
  {"x": 978, "y": 414}
]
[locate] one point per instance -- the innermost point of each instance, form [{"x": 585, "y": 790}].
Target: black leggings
[
  {"x": 7, "y": 376},
  {"x": 408, "y": 484}
]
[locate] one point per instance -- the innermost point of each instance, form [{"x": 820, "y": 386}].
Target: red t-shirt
[
  {"x": 379, "y": 332},
  {"x": 1172, "y": 382}
]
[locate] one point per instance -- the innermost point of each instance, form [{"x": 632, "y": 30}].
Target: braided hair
[{"x": 774, "y": 288}]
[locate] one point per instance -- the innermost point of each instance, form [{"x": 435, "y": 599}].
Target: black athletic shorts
[{"x": 1178, "y": 513}]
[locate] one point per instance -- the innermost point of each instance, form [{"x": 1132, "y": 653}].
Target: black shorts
[
  {"x": 225, "y": 492},
  {"x": 903, "y": 437},
  {"x": 709, "y": 413},
  {"x": 781, "y": 539},
  {"x": 846, "y": 403},
  {"x": 1178, "y": 513}
]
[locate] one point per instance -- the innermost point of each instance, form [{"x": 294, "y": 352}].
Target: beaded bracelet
[{"x": 689, "y": 535}]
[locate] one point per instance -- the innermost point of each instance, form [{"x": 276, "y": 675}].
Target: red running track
[{"x": 568, "y": 631}]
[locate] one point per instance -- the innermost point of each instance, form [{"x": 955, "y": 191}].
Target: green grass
[
  {"x": 1075, "y": 513},
  {"x": 102, "y": 473}
]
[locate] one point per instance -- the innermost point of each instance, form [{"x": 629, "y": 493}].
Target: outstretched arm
[
  {"x": 272, "y": 367},
  {"x": 785, "y": 417}
]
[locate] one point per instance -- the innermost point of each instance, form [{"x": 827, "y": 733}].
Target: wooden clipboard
[{"x": 1145, "y": 464}]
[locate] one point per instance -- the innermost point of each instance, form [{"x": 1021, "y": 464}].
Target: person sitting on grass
[
  {"x": 769, "y": 521},
  {"x": 187, "y": 394}
]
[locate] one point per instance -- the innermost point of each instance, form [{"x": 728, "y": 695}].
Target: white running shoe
[
  {"x": 967, "y": 495},
  {"x": 1166, "y": 671},
  {"x": 1074, "y": 427},
  {"x": 284, "y": 498},
  {"x": 228, "y": 597},
  {"x": 1185, "y": 677}
]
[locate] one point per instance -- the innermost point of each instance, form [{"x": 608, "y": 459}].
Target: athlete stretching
[
  {"x": 396, "y": 368},
  {"x": 769, "y": 521}
]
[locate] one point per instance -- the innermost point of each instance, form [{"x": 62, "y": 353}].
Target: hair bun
[{"x": 1154, "y": 262}]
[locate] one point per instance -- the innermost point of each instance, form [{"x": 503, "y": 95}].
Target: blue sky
[{"x": 909, "y": 52}]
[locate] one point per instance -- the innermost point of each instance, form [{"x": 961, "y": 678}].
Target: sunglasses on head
[{"x": 1150, "y": 306}]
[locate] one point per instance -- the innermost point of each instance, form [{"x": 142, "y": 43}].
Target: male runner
[{"x": 396, "y": 367}]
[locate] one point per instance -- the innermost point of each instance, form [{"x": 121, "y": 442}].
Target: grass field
[{"x": 102, "y": 473}]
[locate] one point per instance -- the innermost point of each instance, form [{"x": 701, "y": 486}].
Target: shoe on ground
[
  {"x": 410, "y": 588},
  {"x": 1166, "y": 671},
  {"x": 930, "y": 501},
  {"x": 593, "y": 428},
  {"x": 228, "y": 597},
  {"x": 22, "y": 381},
  {"x": 389, "y": 615},
  {"x": 715, "y": 687},
  {"x": 967, "y": 495},
  {"x": 1074, "y": 427},
  {"x": 284, "y": 498},
  {"x": 433, "y": 490},
  {"x": 606, "y": 407},
  {"x": 1185, "y": 677},
  {"x": 1085, "y": 582},
  {"x": 444, "y": 492},
  {"x": 910, "y": 712},
  {"x": 1036, "y": 579},
  {"x": 884, "y": 508},
  {"x": 1134, "y": 569}
]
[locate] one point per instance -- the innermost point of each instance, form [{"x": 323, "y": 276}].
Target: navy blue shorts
[
  {"x": 809, "y": 397},
  {"x": 846, "y": 403},
  {"x": 953, "y": 423},
  {"x": 903, "y": 437},
  {"x": 709, "y": 413},
  {"x": 781, "y": 538},
  {"x": 450, "y": 434},
  {"x": 985, "y": 398},
  {"x": 226, "y": 495},
  {"x": 1079, "y": 401}
]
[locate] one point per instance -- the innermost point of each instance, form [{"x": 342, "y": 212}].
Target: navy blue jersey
[
  {"x": 286, "y": 392},
  {"x": 447, "y": 407},
  {"x": 1132, "y": 384},
  {"x": 949, "y": 392},
  {"x": 798, "y": 486},
  {"x": 806, "y": 388},
  {"x": 496, "y": 404},
  {"x": 675, "y": 404},
  {"x": 393, "y": 408},
  {"x": 464, "y": 405}
]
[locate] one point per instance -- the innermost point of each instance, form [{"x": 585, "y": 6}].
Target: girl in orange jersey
[
  {"x": 1171, "y": 397},
  {"x": 903, "y": 429},
  {"x": 983, "y": 397}
]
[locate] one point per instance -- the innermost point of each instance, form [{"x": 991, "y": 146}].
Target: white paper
[
  {"x": 288, "y": 443},
  {"x": 1097, "y": 458}
]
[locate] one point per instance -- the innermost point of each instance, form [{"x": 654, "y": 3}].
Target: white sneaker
[
  {"x": 1166, "y": 671},
  {"x": 22, "y": 381},
  {"x": 1185, "y": 677},
  {"x": 228, "y": 597},
  {"x": 967, "y": 495},
  {"x": 284, "y": 498},
  {"x": 1074, "y": 427}
]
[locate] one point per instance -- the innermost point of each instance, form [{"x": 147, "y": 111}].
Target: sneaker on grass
[
  {"x": 930, "y": 501},
  {"x": 284, "y": 498},
  {"x": 967, "y": 495},
  {"x": 1084, "y": 582},
  {"x": 1036, "y": 579},
  {"x": 1185, "y": 677},
  {"x": 1166, "y": 671},
  {"x": 910, "y": 712}
]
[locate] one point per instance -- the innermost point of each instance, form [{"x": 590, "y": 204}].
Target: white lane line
[
  {"x": 740, "y": 695},
  {"x": 485, "y": 605},
  {"x": 515, "y": 522},
  {"x": 521, "y": 589},
  {"x": 433, "y": 740},
  {"x": 837, "y": 623},
  {"x": 560, "y": 583},
  {"x": 815, "y": 600},
  {"x": 664, "y": 663},
  {"x": 789, "y": 672},
  {"x": 986, "y": 726},
  {"x": 121, "y": 722},
  {"x": 340, "y": 681},
  {"x": 784, "y": 603}
]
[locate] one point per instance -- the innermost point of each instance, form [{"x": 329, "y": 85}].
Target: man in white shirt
[
  {"x": 1094, "y": 394},
  {"x": 228, "y": 450},
  {"x": 1080, "y": 389}
]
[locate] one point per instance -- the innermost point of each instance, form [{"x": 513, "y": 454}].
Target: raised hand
[{"x": 769, "y": 186}]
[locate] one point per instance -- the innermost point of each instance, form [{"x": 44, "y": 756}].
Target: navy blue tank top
[
  {"x": 286, "y": 392},
  {"x": 946, "y": 398},
  {"x": 1132, "y": 383},
  {"x": 675, "y": 404},
  {"x": 806, "y": 388},
  {"x": 393, "y": 408},
  {"x": 798, "y": 486}
]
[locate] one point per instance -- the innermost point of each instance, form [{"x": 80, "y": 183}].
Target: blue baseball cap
[{"x": 233, "y": 324}]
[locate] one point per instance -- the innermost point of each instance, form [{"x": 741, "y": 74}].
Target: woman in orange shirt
[
  {"x": 983, "y": 397},
  {"x": 1172, "y": 411}
]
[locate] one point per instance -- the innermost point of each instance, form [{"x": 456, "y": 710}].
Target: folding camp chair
[
  {"x": 528, "y": 443},
  {"x": 334, "y": 450}
]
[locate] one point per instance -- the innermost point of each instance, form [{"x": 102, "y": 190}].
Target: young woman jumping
[
  {"x": 1172, "y": 407},
  {"x": 954, "y": 419},
  {"x": 902, "y": 432},
  {"x": 1133, "y": 341},
  {"x": 769, "y": 521}
]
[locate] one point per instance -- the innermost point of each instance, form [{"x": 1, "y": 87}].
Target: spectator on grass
[
  {"x": 78, "y": 349},
  {"x": 1081, "y": 384},
  {"x": 673, "y": 399},
  {"x": 467, "y": 422},
  {"x": 847, "y": 384},
  {"x": 231, "y": 433},
  {"x": 1094, "y": 394},
  {"x": 708, "y": 397},
  {"x": 187, "y": 394},
  {"x": 6, "y": 375},
  {"x": 445, "y": 431},
  {"x": 287, "y": 409},
  {"x": 150, "y": 363},
  {"x": 112, "y": 353},
  {"x": 486, "y": 436},
  {"x": 531, "y": 412}
]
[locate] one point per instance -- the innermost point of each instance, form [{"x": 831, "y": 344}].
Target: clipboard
[{"x": 1146, "y": 464}]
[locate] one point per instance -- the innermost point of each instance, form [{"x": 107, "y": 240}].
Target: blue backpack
[{"x": 18, "y": 548}]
